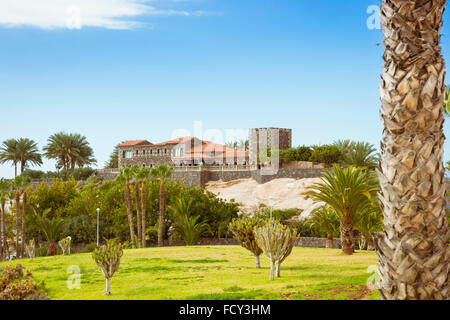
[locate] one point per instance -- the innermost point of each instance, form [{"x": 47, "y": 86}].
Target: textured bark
[
  {"x": 51, "y": 249},
  {"x": 144, "y": 213},
  {"x": 24, "y": 211},
  {"x": 17, "y": 198},
  {"x": 161, "y": 214},
  {"x": 278, "y": 269},
  {"x": 329, "y": 242},
  {"x": 137, "y": 200},
  {"x": 414, "y": 257},
  {"x": 129, "y": 208},
  {"x": 347, "y": 240},
  {"x": 3, "y": 231},
  {"x": 108, "y": 287}
]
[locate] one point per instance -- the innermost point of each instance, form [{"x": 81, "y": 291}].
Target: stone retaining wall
[{"x": 316, "y": 243}]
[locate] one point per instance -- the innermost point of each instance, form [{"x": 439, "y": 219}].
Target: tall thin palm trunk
[
  {"x": 129, "y": 208},
  {"x": 24, "y": 211},
  {"x": 137, "y": 199},
  {"x": 17, "y": 199},
  {"x": 413, "y": 251},
  {"x": 2, "y": 232},
  {"x": 143, "y": 212},
  {"x": 161, "y": 214}
]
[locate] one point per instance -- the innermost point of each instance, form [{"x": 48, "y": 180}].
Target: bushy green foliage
[
  {"x": 78, "y": 174},
  {"x": 33, "y": 174},
  {"x": 306, "y": 230},
  {"x": 81, "y": 228},
  {"x": 41, "y": 252},
  {"x": 243, "y": 229},
  {"x": 186, "y": 223},
  {"x": 90, "y": 247},
  {"x": 16, "y": 283},
  {"x": 152, "y": 234},
  {"x": 327, "y": 220},
  {"x": 302, "y": 153},
  {"x": 278, "y": 214},
  {"x": 328, "y": 154}
]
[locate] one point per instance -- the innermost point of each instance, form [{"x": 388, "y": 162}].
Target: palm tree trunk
[
  {"x": 17, "y": 224},
  {"x": 2, "y": 232},
  {"x": 413, "y": 254},
  {"x": 24, "y": 211},
  {"x": 329, "y": 243},
  {"x": 143, "y": 212},
  {"x": 129, "y": 213},
  {"x": 51, "y": 249},
  {"x": 15, "y": 169},
  {"x": 137, "y": 200},
  {"x": 347, "y": 234},
  {"x": 161, "y": 214}
]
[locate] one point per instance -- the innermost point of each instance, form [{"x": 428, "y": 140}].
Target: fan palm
[
  {"x": 187, "y": 225},
  {"x": 125, "y": 177},
  {"x": 326, "y": 219},
  {"x": 9, "y": 153},
  {"x": 52, "y": 230},
  {"x": 413, "y": 249},
  {"x": 162, "y": 172},
  {"x": 347, "y": 191}
]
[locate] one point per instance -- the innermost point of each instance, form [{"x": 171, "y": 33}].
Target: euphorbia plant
[{"x": 107, "y": 258}]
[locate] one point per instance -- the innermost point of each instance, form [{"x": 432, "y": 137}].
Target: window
[{"x": 128, "y": 154}]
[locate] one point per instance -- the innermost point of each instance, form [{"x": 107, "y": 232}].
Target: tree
[
  {"x": 4, "y": 189},
  {"x": 28, "y": 152},
  {"x": 70, "y": 150},
  {"x": 107, "y": 258},
  {"x": 17, "y": 186},
  {"x": 326, "y": 219},
  {"x": 348, "y": 191},
  {"x": 137, "y": 200},
  {"x": 125, "y": 177},
  {"x": 10, "y": 153},
  {"x": 113, "y": 162},
  {"x": 52, "y": 229},
  {"x": 368, "y": 222},
  {"x": 142, "y": 176},
  {"x": 243, "y": 229},
  {"x": 186, "y": 224},
  {"x": 24, "y": 185},
  {"x": 413, "y": 249},
  {"x": 358, "y": 154},
  {"x": 162, "y": 172}
]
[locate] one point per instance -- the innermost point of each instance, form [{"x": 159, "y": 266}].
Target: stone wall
[
  {"x": 287, "y": 173},
  {"x": 316, "y": 243}
]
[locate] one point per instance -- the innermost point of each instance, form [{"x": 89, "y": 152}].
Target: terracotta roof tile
[{"x": 134, "y": 143}]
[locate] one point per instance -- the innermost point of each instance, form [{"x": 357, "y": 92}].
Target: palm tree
[
  {"x": 358, "y": 154},
  {"x": 162, "y": 172},
  {"x": 52, "y": 229},
  {"x": 137, "y": 200},
  {"x": 142, "y": 176},
  {"x": 4, "y": 189},
  {"x": 25, "y": 184},
  {"x": 69, "y": 150},
  {"x": 17, "y": 186},
  {"x": 413, "y": 250},
  {"x": 9, "y": 153},
  {"x": 347, "y": 191},
  {"x": 125, "y": 177},
  {"x": 187, "y": 225},
  {"x": 327, "y": 220},
  {"x": 28, "y": 152},
  {"x": 368, "y": 222}
]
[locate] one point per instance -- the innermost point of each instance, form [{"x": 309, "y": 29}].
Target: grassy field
[{"x": 211, "y": 273}]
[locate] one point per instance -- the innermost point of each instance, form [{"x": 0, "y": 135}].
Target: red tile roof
[
  {"x": 176, "y": 141},
  {"x": 135, "y": 143}
]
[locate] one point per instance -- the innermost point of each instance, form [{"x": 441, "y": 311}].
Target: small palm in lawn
[
  {"x": 125, "y": 177},
  {"x": 51, "y": 228},
  {"x": 327, "y": 220},
  {"x": 9, "y": 153},
  {"x": 162, "y": 172},
  {"x": 185, "y": 223},
  {"x": 368, "y": 222},
  {"x": 4, "y": 189},
  {"x": 348, "y": 191}
]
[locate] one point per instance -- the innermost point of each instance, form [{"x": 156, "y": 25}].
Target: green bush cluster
[
  {"x": 78, "y": 174},
  {"x": 90, "y": 247}
]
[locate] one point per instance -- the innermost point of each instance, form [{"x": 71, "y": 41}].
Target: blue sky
[{"x": 144, "y": 69}]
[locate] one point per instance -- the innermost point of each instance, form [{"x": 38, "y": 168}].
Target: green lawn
[{"x": 212, "y": 273}]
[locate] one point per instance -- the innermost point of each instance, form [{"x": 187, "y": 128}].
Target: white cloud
[{"x": 76, "y": 14}]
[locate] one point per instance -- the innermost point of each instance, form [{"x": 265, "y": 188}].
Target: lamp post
[{"x": 98, "y": 215}]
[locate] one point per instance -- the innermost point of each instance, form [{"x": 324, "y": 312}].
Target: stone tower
[{"x": 275, "y": 138}]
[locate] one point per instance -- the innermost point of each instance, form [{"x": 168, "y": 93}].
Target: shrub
[
  {"x": 280, "y": 215},
  {"x": 81, "y": 228},
  {"x": 64, "y": 244},
  {"x": 41, "y": 252},
  {"x": 328, "y": 154},
  {"x": 33, "y": 174},
  {"x": 17, "y": 284},
  {"x": 304, "y": 228},
  {"x": 243, "y": 229},
  {"x": 277, "y": 241},
  {"x": 152, "y": 234},
  {"x": 107, "y": 258},
  {"x": 302, "y": 153},
  {"x": 90, "y": 247}
]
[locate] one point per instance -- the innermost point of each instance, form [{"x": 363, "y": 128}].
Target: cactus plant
[
  {"x": 243, "y": 229},
  {"x": 277, "y": 241},
  {"x": 30, "y": 248},
  {"x": 65, "y": 245},
  {"x": 107, "y": 258}
]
